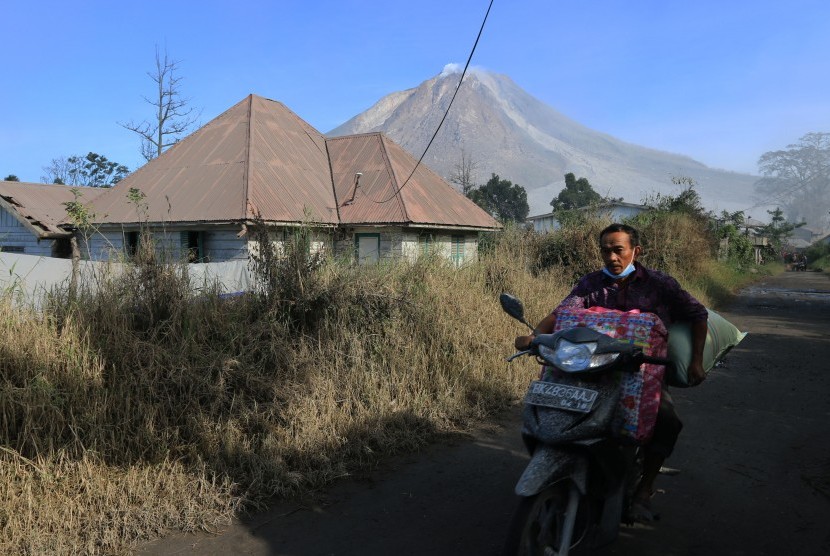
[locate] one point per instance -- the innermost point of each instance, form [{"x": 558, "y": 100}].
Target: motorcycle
[{"x": 578, "y": 483}]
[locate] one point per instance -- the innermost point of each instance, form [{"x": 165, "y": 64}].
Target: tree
[
  {"x": 463, "y": 174},
  {"x": 799, "y": 178},
  {"x": 11, "y": 177},
  {"x": 172, "y": 118},
  {"x": 502, "y": 199},
  {"x": 778, "y": 229},
  {"x": 61, "y": 170},
  {"x": 687, "y": 201},
  {"x": 577, "y": 193},
  {"x": 97, "y": 171},
  {"x": 734, "y": 244},
  {"x": 92, "y": 170}
]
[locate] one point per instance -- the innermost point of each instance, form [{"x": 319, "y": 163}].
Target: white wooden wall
[
  {"x": 224, "y": 244},
  {"x": 218, "y": 244},
  {"x": 397, "y": 242},
  {"x": 13, "y": 233}
]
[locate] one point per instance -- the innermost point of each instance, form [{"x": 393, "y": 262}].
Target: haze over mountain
[{"x": 506, "y": 131}]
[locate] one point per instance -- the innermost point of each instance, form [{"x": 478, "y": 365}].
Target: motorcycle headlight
[{"x": 573, "y": 358}]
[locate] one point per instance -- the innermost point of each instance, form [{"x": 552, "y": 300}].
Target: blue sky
[{"x": 722, "y": 82}]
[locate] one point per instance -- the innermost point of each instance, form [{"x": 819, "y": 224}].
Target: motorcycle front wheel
[{"x": 541, "y": 526}]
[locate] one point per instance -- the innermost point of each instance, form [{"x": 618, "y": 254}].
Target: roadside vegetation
[
  {"x": 143, "y": 407},
  {"x": 818, "y": 256}
]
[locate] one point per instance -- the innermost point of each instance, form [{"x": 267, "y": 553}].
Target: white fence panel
[{"x": 29, "y": 277}]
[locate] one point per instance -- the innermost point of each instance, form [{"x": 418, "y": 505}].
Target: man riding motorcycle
[{"x": 624, "y": 284}]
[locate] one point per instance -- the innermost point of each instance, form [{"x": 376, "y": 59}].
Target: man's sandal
[{"x": 640, "y": 511}]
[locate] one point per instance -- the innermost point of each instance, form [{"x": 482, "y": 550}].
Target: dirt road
[{"x": 754, "y": 459}]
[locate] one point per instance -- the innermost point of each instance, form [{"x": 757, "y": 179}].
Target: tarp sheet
[{"x": 27, "y": 277}]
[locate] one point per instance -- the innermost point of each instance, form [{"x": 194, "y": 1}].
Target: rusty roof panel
[
  {"x": 428, "y": 198},
  {"x": 425, "y": 199},
  {"x": 361, "y": 198},
  {"x": 42, "y": 205},
  {"x": 200, "y": 178},
  {"x": 287, "y": 195},
  {"x": 204, "y": 193},
  {"x": 258, "y": 156},
  {"x": 288, "y": 167}
]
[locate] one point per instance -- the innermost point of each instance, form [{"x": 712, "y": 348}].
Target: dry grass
[{"x": 142, "y": 407}]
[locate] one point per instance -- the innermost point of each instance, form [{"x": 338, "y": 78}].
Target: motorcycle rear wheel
[{"x": 536, "y": 528}]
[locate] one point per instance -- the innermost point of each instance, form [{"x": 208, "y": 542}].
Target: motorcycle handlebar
[
  {"x": 641, "y": 356},
  {"x": 517, "y": 354},
  {"x": 658, "y": 361}
]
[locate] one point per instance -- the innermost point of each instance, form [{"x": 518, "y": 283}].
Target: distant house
[
  {"x": 795, "y": 244},
  {"x": 31, "y": 218},
  {"x": 809, "y": 235},
  {"x": 615, "y": 210},
  {"x": 260, "y": 162}
]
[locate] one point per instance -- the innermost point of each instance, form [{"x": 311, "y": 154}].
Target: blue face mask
[{"x": 627, "y": 271}]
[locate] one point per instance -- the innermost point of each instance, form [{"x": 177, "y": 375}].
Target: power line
[{"x": 463, "y": 73}]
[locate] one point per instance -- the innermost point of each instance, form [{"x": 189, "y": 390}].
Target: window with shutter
[
  {"x": 191, "y": 242},
  {"x": 457, "y": 250},
  {"x": 425, "y": 244},
  {"x": 130, "y": 243}
]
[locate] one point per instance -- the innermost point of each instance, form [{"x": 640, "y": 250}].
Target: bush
[
  {"x": 141, "y": 406},
  {"x": 573, "y": 249},
  {"x": 818, "y": 255},
  {"x": 675, "y": 243}
]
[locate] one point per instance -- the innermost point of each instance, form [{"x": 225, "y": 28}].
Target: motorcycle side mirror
[{"x": 513, "y": 307}]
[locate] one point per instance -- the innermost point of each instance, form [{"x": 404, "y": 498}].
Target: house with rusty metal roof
[
  {"x": 32, "y": 218},
  {"x": 258, "y": 162}
]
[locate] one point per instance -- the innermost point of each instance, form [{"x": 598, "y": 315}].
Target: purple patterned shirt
[{"x": 648, "y": 290}]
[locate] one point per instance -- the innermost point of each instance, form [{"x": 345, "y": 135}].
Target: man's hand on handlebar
[
  {"x": 546, "y": 326},
  {"x": 523, "y": 342}
]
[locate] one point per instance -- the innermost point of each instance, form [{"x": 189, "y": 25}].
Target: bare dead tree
[
  {"x": 464, "y": 173},
  {"x": 173, "y": 113},
  {"x": 62, "y": 170}
]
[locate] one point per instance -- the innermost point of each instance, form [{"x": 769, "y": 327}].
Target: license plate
[{"x": 561, "y": 396}]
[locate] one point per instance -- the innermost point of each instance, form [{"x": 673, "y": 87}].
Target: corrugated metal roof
[
  {"x": 259, "y": 159},
  {"x": 430, "y": 199},
  {"x": 289, "y": 179},
  {"x": 378, "y": 198},
  {"x": 360, "y": 196},
  {"x": 41, "y": 205}
]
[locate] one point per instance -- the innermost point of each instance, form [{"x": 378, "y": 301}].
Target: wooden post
[{"x": 76, "y": 264}]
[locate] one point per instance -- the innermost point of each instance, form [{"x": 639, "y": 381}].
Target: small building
[
  {"x": 614, "y": 210},
  {"x": 795, "y": 244},
  {"x": 808, "y": 234},
  {"x": 363, "y": 196}
]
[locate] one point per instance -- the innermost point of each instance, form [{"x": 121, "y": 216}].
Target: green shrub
[
  {"x": 818, "y": 255},
  {"x": 573, "y": 249}
]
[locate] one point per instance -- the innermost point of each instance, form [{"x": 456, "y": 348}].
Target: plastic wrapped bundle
[{"x": 639, "y": 392}]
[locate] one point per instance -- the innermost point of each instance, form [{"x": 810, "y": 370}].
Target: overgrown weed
[{"x": 323, "y": 370}]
